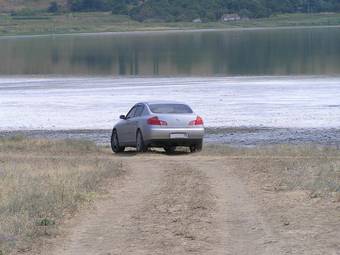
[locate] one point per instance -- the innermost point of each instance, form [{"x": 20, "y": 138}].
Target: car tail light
[
  {"x": 155, "y": 121},
  {"x": 197, "y": 121}
]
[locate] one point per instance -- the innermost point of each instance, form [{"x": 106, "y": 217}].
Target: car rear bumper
[
  {"x": 158, "y": 133},
  {"x": 173, "y": 142}
]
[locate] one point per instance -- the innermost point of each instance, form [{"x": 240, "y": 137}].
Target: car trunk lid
[{"x": 177, "y": 120}]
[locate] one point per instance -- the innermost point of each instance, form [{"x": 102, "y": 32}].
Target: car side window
[
  {"x": 139, "y": 110},
  {"x": 131, "y": 113}
]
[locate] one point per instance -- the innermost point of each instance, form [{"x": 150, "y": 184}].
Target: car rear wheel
[
  {"x": 196, "y": 147},
  {"x": 170, "y": 149},
  {"x": 140, "y": 144},
  {"x": 116, "y": 148}
]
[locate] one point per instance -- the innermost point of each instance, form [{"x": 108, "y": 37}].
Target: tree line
[{"x": 206, "y": 10}]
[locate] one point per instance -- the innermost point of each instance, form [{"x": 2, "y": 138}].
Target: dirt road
[{"x": 198, "y": 205}]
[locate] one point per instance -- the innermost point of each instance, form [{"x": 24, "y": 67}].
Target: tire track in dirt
[
  {"x": 177, "y": 217},
  {"x": 161, "y": 208},
  {"x": 106, "y": 228},
  {"x": 238, "y": 221}
]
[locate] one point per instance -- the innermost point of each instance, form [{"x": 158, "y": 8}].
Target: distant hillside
[
  {"x": 15, "y": 5},
  {"x": 213, "y": 10},
  {"x": 178, "y": 10}
]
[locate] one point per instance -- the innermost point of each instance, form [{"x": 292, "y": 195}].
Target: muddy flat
[
  {"x": 237, "y": 136},
  {"x": 291, "y": 102},
  {"x": 198, "y": 204}
]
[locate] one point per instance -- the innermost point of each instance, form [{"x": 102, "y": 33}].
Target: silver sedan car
[{"x": 158, "y": 124}]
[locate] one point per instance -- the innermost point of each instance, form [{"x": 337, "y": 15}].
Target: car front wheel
[{"x": 116, "y": 148}]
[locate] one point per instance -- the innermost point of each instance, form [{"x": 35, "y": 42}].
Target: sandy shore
[{"x": 170, "y": 30}]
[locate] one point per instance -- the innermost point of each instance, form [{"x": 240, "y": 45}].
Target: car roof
[{"x": 162, "y": 102}]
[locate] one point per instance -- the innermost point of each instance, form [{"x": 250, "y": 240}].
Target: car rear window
[{"x": 170, "y": 108}]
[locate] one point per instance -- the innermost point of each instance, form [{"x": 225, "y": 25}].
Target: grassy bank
[
  {"x": 309, "y": 168},
  {"x": 44, "y": 23},
  {"x": 42, "y": 181}
]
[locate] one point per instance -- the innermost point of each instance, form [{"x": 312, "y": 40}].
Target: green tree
[
  {"x": 90, "y": 5},
  {"x": 53, "y": 7},
  {"x": 207, "y": 10}
]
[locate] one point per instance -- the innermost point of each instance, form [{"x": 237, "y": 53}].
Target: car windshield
[{"x": 170, "y": 108}]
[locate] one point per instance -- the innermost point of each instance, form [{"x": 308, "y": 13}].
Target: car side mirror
[{"x": 123, "y": 117}]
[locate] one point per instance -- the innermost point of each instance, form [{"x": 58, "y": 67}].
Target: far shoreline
[
  {"x": 104, "y": 23},
  {"x": 237, "y": 136},
  {"x": 168, "y": 30}
]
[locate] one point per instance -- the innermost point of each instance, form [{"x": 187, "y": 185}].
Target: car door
[
  {"x": 137, "y": 119},
  {"x": 124, "y": 129},
  {"x": 131, "y": 127}
]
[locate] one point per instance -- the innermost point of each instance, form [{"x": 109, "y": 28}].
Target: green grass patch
[
  {"x": 31, "y": 23},
  {"x": 31, "y": 18}
]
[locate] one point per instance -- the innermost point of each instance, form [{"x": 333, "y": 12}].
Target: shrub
[{"x": 53, "y": 7}]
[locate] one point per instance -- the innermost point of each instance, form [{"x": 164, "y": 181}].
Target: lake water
[{"x": 308, "y": 51}]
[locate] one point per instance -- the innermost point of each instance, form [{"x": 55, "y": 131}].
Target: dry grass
[
  {"x": 310, "y": 168},
  {"x": 274, "y": 151},
  {"x": 42, "y": 181}
]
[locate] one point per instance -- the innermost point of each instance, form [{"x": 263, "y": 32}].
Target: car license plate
[{"x": 175, "y": 136}]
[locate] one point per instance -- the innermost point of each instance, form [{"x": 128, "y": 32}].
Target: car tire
[
  {"x": 140, "y": 144},
  {"x": 196, "y": 147},
  {"x": 169, "y": 149},
  {"x": 116, "y": 148}
]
